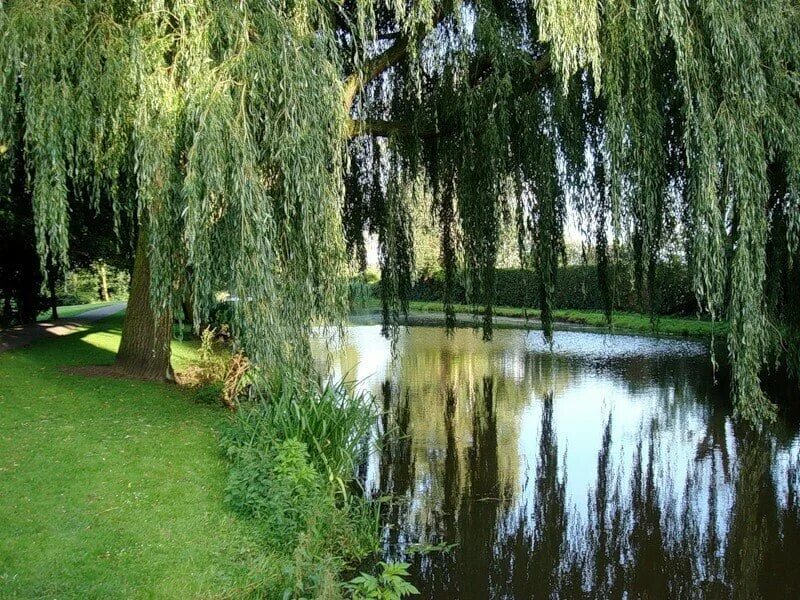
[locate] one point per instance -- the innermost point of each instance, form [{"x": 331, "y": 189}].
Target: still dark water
[{"x": 609, "y": 467}]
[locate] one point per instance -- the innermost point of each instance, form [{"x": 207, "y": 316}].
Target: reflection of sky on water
[
  {"x": 599, "y": 386},
  {"x": 602, "y": 347},
  {"x": 657, "y": 391}
]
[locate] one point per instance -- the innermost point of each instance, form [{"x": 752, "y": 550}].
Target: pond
[{"x": 607, "y": 467}]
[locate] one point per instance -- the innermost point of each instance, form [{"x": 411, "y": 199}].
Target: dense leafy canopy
[{"x": 663, "y": 121}]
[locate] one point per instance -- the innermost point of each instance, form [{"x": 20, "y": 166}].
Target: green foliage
[
  {"x": 360, "y": 292},
  {"x": 278, "y": 486},
  {"x": 211, "y": 367},
  {"x": 334, "y": 424},
  {"x": 293, "y": 448},
  {"x": 221, "y": 315},
  {"x": 621, "y": 321},
  {"x": 729, "y": 66},
  {"x": 578, "y": 287},
  {"x": 234, "y": 116},
  {"x": 390, "y": 584},
  {"x": 669, "y": 126},
  {"x": 82, "y": 286},
  {"x": 571, "y": 27}
]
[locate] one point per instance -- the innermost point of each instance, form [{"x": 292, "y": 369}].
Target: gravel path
[{"x": 24, "y": 335}]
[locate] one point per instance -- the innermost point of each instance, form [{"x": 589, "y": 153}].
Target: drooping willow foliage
[
  {"x": 230, "y": 118},
  {"x": 657, "y": 124},
  {"x": 653, "y": 122}
]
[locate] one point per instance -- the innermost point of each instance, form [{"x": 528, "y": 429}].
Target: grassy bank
[
  {"x": 112, "y": 488},
  {"x": 621, "y": 321}
]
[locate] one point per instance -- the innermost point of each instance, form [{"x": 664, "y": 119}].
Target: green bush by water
[
  {"x": 390, "y": 584},
  {"x": 332, "y": 422},
  {"x": 293, "y": 447}
]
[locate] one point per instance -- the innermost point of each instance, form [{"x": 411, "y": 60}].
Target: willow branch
[
  {"x": 384, "y": 128},
  {"x": 371, "y": 68}
]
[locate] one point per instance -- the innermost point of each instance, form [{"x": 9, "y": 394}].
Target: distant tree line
[{"x": 579, "y": 288}]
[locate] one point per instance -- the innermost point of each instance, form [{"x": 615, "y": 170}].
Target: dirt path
[{"x": 24, "y": 335}]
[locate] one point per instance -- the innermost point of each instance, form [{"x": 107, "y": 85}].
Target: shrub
[
  {"x": 212, "y": 364},
  {"x": 279, "y": 487},
  {"x": 334, "y": 424},
  {"x": 360, "y": 292},
  {"x": 371, "y": 275},
  {"x": 221, "y": 315},
  {"x": 82, "y": 286},
  {"x": 390, "y": 584},
  {"x": 293, "y": 447}
]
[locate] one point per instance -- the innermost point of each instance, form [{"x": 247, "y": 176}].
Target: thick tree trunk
[
  {"x": 101, "y": 270},
  {"x": 144, "y": 350}
]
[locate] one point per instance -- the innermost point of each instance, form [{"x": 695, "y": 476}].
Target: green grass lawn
[
  {"x": 621, "y": 321},
  {"x": 73, "y": 310},
  {"x": 112, "y": 488}
]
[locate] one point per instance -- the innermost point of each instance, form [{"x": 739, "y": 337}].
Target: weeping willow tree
[
  {"x": 256, "y": 142},
  {"x": 227, "y": 122},
  {"x": 653, "y": 122}
]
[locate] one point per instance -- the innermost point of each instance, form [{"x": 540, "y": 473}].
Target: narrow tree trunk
[
  {"x": 144, "y": 350},
  {"x": 101, "y": 269},
  {"x": 8, "y": 312},
  {"x": 29, "y": 298},
  {"x": 51, "y": 284}
]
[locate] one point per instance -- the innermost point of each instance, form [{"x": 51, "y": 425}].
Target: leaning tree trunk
[{"x": 144, "y": 350}]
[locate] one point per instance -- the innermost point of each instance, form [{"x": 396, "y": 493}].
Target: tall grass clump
[{"x": 293, "y": 447}]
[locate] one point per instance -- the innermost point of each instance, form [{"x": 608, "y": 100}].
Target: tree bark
[
  {"x": 144, "y": 351},
  {"x": 51, "y": 285}
]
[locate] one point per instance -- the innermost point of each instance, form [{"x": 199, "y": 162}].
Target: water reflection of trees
[
  {"x": 640, "y": 539},
  {"x": 460, "y": 412}
]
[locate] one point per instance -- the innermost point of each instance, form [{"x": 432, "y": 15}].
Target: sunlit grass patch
[{"x": 110, "y": 487}]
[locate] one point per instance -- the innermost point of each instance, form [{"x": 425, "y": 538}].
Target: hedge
[{"x": 577, "y": 288}]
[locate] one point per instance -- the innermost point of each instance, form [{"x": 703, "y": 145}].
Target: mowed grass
[
  {"x": 73, "y": 310},
  {"x": 112, "y": 488},
  {"x": 621, "y": 321}
]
